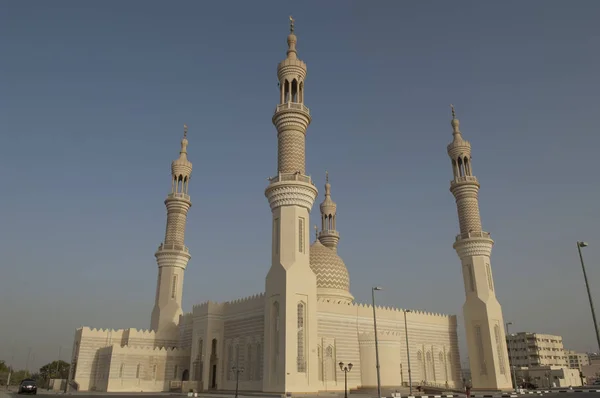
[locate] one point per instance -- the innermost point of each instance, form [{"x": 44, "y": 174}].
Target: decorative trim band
[
  {"x": 291, "y": 193},
  {"x": 472, "y": 247}
]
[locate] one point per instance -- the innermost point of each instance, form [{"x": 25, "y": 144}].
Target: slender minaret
[
  {"x": 484, "y": 324},
  {"x": 172, "y": 256},
  {"x": 328, "y": 236},
  {"x": 290, "y": 359}
]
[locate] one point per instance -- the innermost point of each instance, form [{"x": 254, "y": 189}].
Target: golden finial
[
  {"x": 316, "y": 231},
  {"x": 291, "y": 24},
  {"x": 185, "y": 131},
  {"x": 453, "y": 113},
  {"x": 327, "y": 177}
]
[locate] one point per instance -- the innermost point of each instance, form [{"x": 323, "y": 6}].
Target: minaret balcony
[
  {"x": 296, "y": 106},
  {"x": 179, "y": 195},
  {"x": 291, "y": 177},
  {"x": 459, "y": 180},
  {"x": 332, "y": 232},
  {"x": 173, "y": 246},
  {"x": 473, "y": 234}
]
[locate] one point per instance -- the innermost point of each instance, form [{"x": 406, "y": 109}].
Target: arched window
[
  {"x": 138, "y": 371},
  {"x": 213, "y": 348},
  {"x": 121, "y": 371},
  {"x": 441, "y": 356},
  {"x": 200, "y": 349},
  {"x": 480, "y": 354},
  {"x": 489, "y": 276},
  {"x": 301, "y": 355},
  {"x": 154, "y": 372},
  {"x": 499, "y": 350},
  {"x": 276, "y": 328},
  {"x": 174, "y": 287}
]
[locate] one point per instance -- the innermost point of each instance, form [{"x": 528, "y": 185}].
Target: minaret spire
[
  {"x": 328, "y": 236},
  {"x": 172, "y": 255},
  {"x": 483, "y": 319}
]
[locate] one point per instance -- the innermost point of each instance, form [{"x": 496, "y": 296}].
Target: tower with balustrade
[
  {"x": 290, "y": 365},
  {"x": 484, "y": 324},
  {"x": 172, "y": 255}
]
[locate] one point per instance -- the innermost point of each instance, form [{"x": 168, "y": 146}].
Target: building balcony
[
  {"x": 172, "y": 246},
  {"x": 291, "y": 177},
  {"x": 329, "y": 232},
  {"x": 296, "y": 106}
]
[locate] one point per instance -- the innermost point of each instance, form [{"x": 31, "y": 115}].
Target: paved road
[{"x": 150, "y": 395}]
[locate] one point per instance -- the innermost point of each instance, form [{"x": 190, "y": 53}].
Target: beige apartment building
[
  {"x": 576, "y": 360},
  {"x": 535, "y": 350}
]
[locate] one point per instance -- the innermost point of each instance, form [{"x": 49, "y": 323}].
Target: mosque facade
[{"x": 292, "y": 337}]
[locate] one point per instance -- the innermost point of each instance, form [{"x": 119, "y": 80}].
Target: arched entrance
[{"x": 185, "y": 376}]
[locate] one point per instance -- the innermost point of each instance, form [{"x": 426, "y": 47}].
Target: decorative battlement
[
  {"x": 100, "y": 332},
  {"x": 141, "y": 350},
  {"x": 244, "y": 304},
  {"x": 366, "y": 310}
]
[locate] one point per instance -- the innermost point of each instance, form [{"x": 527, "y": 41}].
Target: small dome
[{"x": 333, "y": 279}]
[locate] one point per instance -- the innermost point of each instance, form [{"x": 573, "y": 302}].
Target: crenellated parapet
[
  {"x": 241, "y": 305},
  {"x": 385, "y": 312}
]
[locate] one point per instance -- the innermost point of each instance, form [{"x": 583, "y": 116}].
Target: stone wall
[
  {"x": 235, "y": 329},
  {"x": 347, "y": 328}
]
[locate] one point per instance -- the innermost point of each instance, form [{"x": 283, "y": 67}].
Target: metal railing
[{"x": 292, "y": 105}]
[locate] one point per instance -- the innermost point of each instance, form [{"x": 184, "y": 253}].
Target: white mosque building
[{"x": 292, "y": 337}]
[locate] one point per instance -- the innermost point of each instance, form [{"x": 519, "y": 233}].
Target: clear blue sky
[{"x": 94, "y": 96}]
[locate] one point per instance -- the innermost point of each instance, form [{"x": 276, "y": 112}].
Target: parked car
[{"x": 28, "y": 386}]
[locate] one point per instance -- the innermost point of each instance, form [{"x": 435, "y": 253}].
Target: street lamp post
[
  {"x": 407, "y": 353},
  {"x": 376, "y": 341},
  {"x": 345, "y": 369},
  {"x": 587, "y": 286},
  {"x": 237, "y": 371},
  {"x": 510, "y": 358}
]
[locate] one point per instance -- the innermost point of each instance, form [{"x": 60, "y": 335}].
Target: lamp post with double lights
[
  {"x": 407, "y": 352},
  {"x": 510, "y": 357},
  {"x": 587, "y": 286},
  {"x": 373, "y": 289},
  {"x": 345, "y": 368}
]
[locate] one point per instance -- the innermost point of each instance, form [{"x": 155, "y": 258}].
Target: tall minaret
[
  {"x": 172, "y": 256},
  {"x": 484, "y": 324},
  {"x": 290, "y": 358}
]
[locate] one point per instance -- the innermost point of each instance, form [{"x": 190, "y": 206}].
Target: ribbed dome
[{"x": 333, "y": 280}]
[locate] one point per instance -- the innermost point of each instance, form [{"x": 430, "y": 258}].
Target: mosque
[{"x": 301, "y": 332}]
